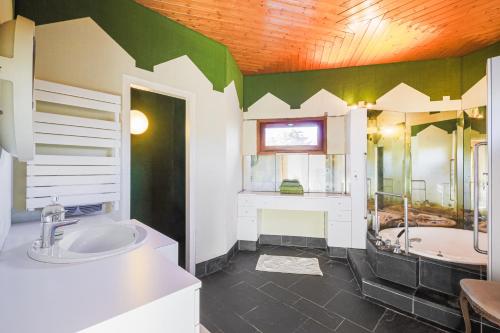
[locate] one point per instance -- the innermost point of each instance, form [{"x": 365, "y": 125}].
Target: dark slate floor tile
[
  {"x": 254, "y": 279},
  {"x": 310, "y": 326},
  {"x": 294, "y": 241},
  {"x": 350, "y": 286},
  {"x": 316, "y": 289},
  {"x": 275, "y": 318},
  {"x": 338, "y": 270},
  {"x": 242, "y": 261},
  {"x": 394, "y": 322},
  {"x": 209, "y": 324},
  {"x": 243, "y": 297},
  {"x": 283, "y": 251},
  {"x": 315, "y": 251},
  {"x": 279, "y": 293},
  {"x": 356, "y": 309},
  {"x": 208, "y": 302},
  {"x": 348, "y": 327},
  {"x": 318, "y": 313},
  {"x": 281, "y": 279},
  {"x": 315, "y": 242},
  {"x": 219, "y": 280},
  {"x": 270, "y": 239},
  {"x": 341, "y": 260},
  {"x": 229, "y": 322}
]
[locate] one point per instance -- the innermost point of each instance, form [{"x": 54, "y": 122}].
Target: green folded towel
[{"x": 291, "y": 186}]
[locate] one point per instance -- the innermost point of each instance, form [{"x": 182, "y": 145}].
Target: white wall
[
  {"x": 292, "y": 223},
  {"x": 78, "y": 52},
  {"x": 5, "y": 194}
]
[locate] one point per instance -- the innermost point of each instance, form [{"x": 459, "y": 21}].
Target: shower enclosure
[{"x": 428, "y": 157}]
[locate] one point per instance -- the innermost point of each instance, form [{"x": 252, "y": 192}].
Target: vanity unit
[
  {"x": 345, "y": 219},
  {"x": 337, "y": 209},
  {"x": 138, "y": 291}
]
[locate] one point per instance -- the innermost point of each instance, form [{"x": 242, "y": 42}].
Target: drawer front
[
  {"x": 342, "y": 203},
  {"x": 247, "y": 229},
  {"x": 246, "y": 200},
  {"x": 339, "y": 215},
  {"x": 247, "y": 211}
]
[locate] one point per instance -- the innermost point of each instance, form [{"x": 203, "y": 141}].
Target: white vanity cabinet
[
  {"x": 337, "y": 209},
  {"x": 248, "y": 228},
  {"x": 338, "y": 223}
]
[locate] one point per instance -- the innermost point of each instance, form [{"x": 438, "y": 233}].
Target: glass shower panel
[
  {"x": 327, "y": 173},
  {"x": 386, "y": 156},
  {"x": 316, "y": 173},
  {"x": 319, "y": 173},
  {"x": 474, "y": 132},
  {"x": 259, "y": 172},
  {"x": 433, "y": 165},
  {"x": 336, "y": 177},
  {"x": 293, "y": 166}
]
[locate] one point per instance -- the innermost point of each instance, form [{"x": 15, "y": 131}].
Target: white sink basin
[{"x": 91, "y": 242}]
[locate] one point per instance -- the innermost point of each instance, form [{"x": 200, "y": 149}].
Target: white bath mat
[{"x": 292, "y": 265}]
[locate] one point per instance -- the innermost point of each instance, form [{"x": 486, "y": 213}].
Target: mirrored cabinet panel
[{"x": 316, "y": 173}]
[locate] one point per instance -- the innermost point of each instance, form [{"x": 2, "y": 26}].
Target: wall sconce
[
  {"x": 138, "y": 122},
  {"x": 361, "y": 104}
]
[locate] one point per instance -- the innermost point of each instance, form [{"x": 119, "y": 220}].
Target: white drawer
[
  {"x": 247, "y": 211},
  {"x": 342, "y": 203},
  {"x": 247, "y": 229},
  {"x": 339, "y": 215},
  {"x": 246, "y": 200}
]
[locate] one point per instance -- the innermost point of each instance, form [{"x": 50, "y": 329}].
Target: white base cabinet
[
  {"x": 337, "y": 210},
  {"x": 178, "y": 312}
]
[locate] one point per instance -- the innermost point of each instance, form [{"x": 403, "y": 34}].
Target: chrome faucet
[
  {"x": 397, "y": 247},
  {"x": 52, "y": 218}
]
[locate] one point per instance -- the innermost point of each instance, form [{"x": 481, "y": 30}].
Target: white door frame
[
  {"x": 493, "y": 109},
  {"x": 190, "y": 98}
]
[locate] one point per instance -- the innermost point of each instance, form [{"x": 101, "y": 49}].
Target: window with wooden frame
[{"x": 300, "y": 135}]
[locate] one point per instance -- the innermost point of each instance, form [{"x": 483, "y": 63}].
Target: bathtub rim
[{"x": 425, "y": 254}]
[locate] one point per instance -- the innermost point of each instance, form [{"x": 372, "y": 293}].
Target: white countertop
[
  {"x": 305, "y": 195},
  {"x": 42, "y": 297}
]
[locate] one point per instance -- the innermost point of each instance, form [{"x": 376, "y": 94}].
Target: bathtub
[{"x": 446, "y": 244}]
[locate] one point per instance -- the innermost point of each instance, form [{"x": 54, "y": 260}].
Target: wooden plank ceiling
[{"x": 268, "y": 36}]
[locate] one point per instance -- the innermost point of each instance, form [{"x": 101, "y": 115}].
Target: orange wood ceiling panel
[{"x": 267, "y": 36}]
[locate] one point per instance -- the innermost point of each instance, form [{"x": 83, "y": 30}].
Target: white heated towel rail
[{"x": 77, "y": 142}]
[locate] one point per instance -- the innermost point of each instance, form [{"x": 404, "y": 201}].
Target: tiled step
[{"x": 421, "y": 302}]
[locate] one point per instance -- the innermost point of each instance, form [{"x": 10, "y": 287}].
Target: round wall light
[{"x": 138, "y": 122}]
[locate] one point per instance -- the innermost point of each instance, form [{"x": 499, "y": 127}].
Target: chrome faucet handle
[
  {"x": 55, "y": 225},
  {"x": 51, "y": 215},
  {"x": 397, "y": 249},
  {"x": 379, "y": 241}
]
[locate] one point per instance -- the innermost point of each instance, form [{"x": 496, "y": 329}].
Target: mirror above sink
[{"x": 90, "y": 242}]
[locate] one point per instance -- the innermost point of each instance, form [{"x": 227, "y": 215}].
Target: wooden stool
[{"x": 484, "y": 298}]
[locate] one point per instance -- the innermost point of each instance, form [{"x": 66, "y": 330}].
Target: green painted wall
[
  {"x": 436, "y": 78},
  {"x": 158, "y": 166},
  {"x": 474, "y": 65},
  {"x": 150, "y": 38}
]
